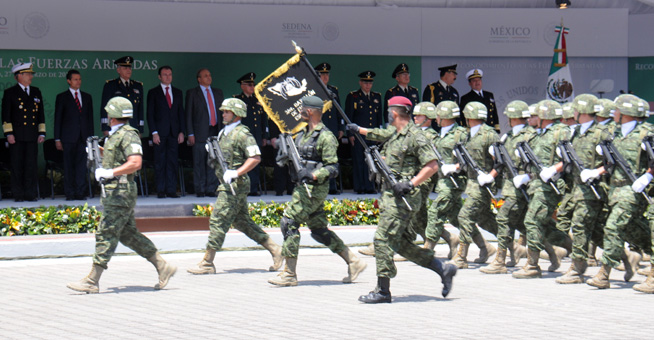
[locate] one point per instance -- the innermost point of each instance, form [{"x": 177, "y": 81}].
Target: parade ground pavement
[{"x": 238, "y": 303}]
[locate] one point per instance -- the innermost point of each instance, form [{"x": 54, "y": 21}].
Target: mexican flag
[{"x": 559, "y": 82}]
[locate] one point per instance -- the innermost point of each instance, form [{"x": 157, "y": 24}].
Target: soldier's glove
[
  {"x": 484, "y": 179},
  {"x": 402, "y": 188},
  {"x": 520, "y": 180},
  {"x": 642, "y": 182},
  {"x": 589, "y": 175},
  {"x": 305, "y": 176},
  {"x": 352, "y": 128},
  {"x": 547, "y": 173},
  {"x": 449, "y": 169},
  {"x": 229, "y": 175},
  {"x": 101, "y": 173}
]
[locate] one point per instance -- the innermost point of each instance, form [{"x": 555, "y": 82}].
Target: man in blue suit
[
  {"x": 73, "y": 125},
  {"x": 167, "y": 125}
]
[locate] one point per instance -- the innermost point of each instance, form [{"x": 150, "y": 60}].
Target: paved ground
[{"x": 238, "y": 303}]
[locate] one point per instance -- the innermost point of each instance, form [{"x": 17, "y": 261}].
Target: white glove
[
  {"x": 516, "y": 153},
  {"x": 448, "y": 169},
  {"x": 558, "y": 152},
  {"x": 589, "y": 175},
  {"x": 547, "y": 173},
  {"x": 491, "y": 151},
  {"x": 484, "y": 179},
  {"x": 229, "y": 176},
  {"x": 520, "y": 180},
  {"x": 103, "y": 173},
  {"x": 641, "y": 183},
  {"x": 599, "y": 151}
]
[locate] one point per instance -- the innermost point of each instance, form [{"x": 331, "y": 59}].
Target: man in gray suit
[{"x": 203, "y": 119}]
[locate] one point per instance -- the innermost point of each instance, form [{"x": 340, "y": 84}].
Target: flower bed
[{"x": 48, "y": 220}]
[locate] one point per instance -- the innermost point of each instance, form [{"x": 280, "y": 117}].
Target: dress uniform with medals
[
  {"x": 257, "y": 121},
  {"x": 483, "y": 97},
  {"x": 332, "y": 119},
  {"x": 127, "y": 88},
  {"x": 365, "y": 110},
  {"x": 24, "y": 120},
  {"x": 409, "y": 91},
  {"x": 438, "y": 91}
]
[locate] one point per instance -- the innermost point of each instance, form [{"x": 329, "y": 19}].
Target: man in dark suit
[
  {"x": 476, "y": 94},
  {"x": 23, "y": 123},
  {"x": 72, "y": 126},
  {"x": 443, "y": 90},
  {"x": 364, "y": 108},
  {"x": 123, "y": 86},
  {"x": 331, "y": 118},
  {"x": 402, "y": 77},
  {"x": 167, "y": 125},
  {"x": 203, "y": 119}
]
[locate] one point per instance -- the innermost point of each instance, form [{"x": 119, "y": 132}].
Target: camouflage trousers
[
  {"x": 445, "y": 208},
  {"x": 650, "y": 218},
  {"x": 476, "y": 210},
  {"x": 118, "y": 225},
  {"x": 509, "y": 219},
  {"x": 564, "y": 213},
  {"x": 232, "y": 211},
  {"x": 310, "y": 211},
  {"x": 393, "y": 235},
  {"x": 538, "y": 219},
  {"x": 626, "y": 222},
  {"x": 421, "y": 217},
  {"x": 586, "y": 217}
]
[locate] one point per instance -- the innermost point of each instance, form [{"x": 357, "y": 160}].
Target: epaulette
[
  {"x": 108, "y": 80},
  {"x": 411, "y": 87}
]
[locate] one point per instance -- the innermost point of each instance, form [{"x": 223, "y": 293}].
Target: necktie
[
  {"x": 212, "y": 109},
  {"x": 79, "y": 106},
  {"x": 481, "y": 94},
  {"x": 27, "y": 90},
  {"x": 127, "y": 84},
  {"x": 168, "y": 99}
]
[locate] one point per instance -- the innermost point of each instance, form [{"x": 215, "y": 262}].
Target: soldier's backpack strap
[{"x": 643, "y": 133}]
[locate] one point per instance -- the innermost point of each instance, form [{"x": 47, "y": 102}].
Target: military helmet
[
  {"x": 425, "y": 109},
  {"x": 235, "y": 105},
  {"x": 532, "y": 109},
  {"x": 568, "y": 111},
  {"x": 475, "y": 110},
  {"x": 119, "y": 107},
  {"x": 447, "y": 109},
  {"x": 517, "y": 109},
  {"x": 607, "y": 106},
  {"x": 629, "y": 105},
  {"x": 549, "y": 110},
  {"x": 646, "y": 112},
  {"x": 586, "y": 104}
]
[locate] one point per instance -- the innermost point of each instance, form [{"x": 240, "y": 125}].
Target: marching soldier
[
  {"x": 402, "y": 77},
  {"x": 123, "y": 86},
  {"x": 122, "y": 157},
  {"x": 476, "y": 209},
  {"x": 242, "y": 154},
  {"x": 512, "y": 213},
  {"x": 412, "y": 161},
  {"x": 606, "y": 114},
  {"x": 331, "y": 118},
  {"x": 315, "y": 143},
  {"x": 364, "y": 107},
  {"x": 442, "y": 89},
  {"x": 448, "y": 203},
  {"x": 476, "y": 94}
]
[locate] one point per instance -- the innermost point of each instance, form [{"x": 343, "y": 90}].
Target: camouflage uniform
[{"x": 118, "y": 223}]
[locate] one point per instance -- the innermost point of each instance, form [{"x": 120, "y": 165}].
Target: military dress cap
[
  {"x": 247, "y": 78},
  {"x": 447, "y": 109},
  {"x": 367, "y": 76},
  {"x": 475, "y": 110},
  {"x": 312, "y": 102},
  {"x": 568, "y": 111},
  {"x": 517, "y": 109},
  {"x": 586, "y": 104},
  {"x": 425, "y": 109},
  {"x": 474, "y": 73},
  {"x": 628, "y": 104},
  {"x": 22, "y": 68},
  {"x": 401, "y": 68},
  {"x": 119, "y": 107},
  {"x": 400, "y": 101},
  {"x": 607, "y": 108},
  {"x": 549, "y": 110},
  {"x": 237, "y": 106},
  {"x": 451, "y": 68},
  {"x": 124, "y": 61},
  {"x": 323, "y": 68}
]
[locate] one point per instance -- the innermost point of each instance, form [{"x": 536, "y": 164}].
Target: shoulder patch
[{"x": 136, "y": 148}]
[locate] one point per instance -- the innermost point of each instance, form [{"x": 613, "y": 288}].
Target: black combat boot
[
  {"x": 381, "y": 294},
  {"x": 447, "y": 273}
]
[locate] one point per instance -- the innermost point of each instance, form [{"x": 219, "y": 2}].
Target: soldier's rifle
[
  {"x": 94, "y": 159},
  {"x": 374, "y": 160},
  {"x": 503, "y": 158},
  {"x": 216, "y": 155},
  {"x": 465, "y": 160},
  {"x": 529, "y": 158},
  {"x": 289, "y": 151},
  {"x": 570, "y": 157},
  {"x": 612, "y": 157},
  {"x": 439, "y": 159}
]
